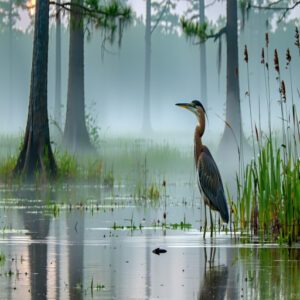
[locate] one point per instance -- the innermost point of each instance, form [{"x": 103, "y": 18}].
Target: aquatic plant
[
  {"x": 92, "y": 127},
  {"x": 6, "y": 167},
  {"x": 278, "y": 272},
  {"x": 269, "y": 189},
  {"x": 2, "y": 258},
  {"x": 153, "y": 191},
  {"x": 109, "y": 179}
]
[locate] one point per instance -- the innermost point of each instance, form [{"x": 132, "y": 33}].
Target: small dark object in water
[{"x": 158, "y": 251}]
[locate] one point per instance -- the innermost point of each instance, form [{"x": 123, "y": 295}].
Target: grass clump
[
  {"x": 68, "y": 167},
  {"x": 269, "y": 188},
  {"x": 2, "y": 258},
  {"x": 109, "y": 179},
  {"x": 6, "y": 168},
  {"x": 269, "y": 199},
  {"x": 153, "y": 191}
]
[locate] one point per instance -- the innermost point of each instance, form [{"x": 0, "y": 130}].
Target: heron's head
[{"x": 195, "y": 107}]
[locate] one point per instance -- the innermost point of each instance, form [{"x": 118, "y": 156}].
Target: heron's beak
[{"x": 188, "y": 106}]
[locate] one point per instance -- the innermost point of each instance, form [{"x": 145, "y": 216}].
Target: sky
[{"x": 213, "y": 12}]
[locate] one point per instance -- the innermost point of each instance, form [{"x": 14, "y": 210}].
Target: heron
[{"x": 208, "y": 175}]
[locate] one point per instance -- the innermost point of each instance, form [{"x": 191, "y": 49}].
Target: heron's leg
[
  {"x": 211, "y": 257},
  {"x": 205, "y": 221},
  {"x": 205, "y": 257},
  {"x": 214, "y": 254},
  {"x": 211, "y": 225}
]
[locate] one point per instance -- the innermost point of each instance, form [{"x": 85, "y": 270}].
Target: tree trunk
[
  {"x": 203, "y": 67},
  {"x": 146, "y": 116},
  {"x": 36, "y": 153},
  {"x": 76, "y": 137},
  {"x": 10, "y": 59},
  {"x": 57, "y": 106},
  {"x": 233, "y": 107}
]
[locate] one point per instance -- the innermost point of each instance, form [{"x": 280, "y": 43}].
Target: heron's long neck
[{"x": 199, "y": 131}]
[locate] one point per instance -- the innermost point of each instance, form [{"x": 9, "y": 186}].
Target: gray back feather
[{"x": 211, "y": 183}]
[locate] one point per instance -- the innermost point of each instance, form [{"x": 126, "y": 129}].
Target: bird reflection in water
[{"x": 215, "y": 277}]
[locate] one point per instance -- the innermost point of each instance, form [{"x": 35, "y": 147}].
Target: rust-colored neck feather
[{"x": 199, "y": 131}]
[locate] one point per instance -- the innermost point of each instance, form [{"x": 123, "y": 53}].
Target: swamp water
[{"x": 91, "y": 242}]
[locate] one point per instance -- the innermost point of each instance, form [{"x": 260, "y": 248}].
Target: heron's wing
[{"x": 211, "y": 183}]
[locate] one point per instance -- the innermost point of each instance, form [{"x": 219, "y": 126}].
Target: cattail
[
  {"x": 267, "y": 39},
  {"x": 256, "y": 133},
  {"x": 288, "y": 57},
  {"x": 297, "y": 39},
  {"x": 262, "y": 56},
  {"x": 246, "y": 54},
  {"x": 276, "y": 61},
  {"x": 283, "y": 91},
  {"x": 164, "y": 183},
  {"x": 236, "y": 72}
]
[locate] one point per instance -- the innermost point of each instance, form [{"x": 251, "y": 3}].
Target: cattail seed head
[
  {"x": 236, "y": 72},
  {"x": 288, "y": 57},
  {"x": 283, "y": 91},
  {"x": 276, "y": 61},
  {"x": 297, "y": 39},
  {"x": 267, "y": 39},
  {"x": 262, "y": 56},
  {"x": 246, "y": 54},
  {"x": 256, "y": 133}
]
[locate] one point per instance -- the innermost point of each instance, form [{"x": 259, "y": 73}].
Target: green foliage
[
  {"x": 129, "y": 227},
  {"x": 2, "y": 258},
  {"x": 68, "y": 168},
  {"x": 126, "y": 155},
  {"x": 270, "y": 196},
  {"x": 6, "y": 168},
  {"x": 92, "y": 127},
  {"x": 153, "y": 192},
  {"x": 94, "y": 169},
  {"x": 100, "y": 286},
  {"x": 110, "y": 16},
  {"x": 269, "y": 188},
  {"x": 195, "y": 29},
  {"x": 108, "y": 179}
]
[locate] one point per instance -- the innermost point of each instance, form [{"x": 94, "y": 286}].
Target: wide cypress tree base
[{"x": 36, "y": 157}]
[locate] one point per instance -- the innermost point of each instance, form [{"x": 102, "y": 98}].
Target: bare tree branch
[
  {"x": 165, "y": 3},
  {"x": 214, "y": 36},
  {"x": 217, "y": 35},
  {"x": 272, "y": 6},
  {"x": 197, "y": 16}
]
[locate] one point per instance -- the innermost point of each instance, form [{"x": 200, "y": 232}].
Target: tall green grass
[{"x": 268, "y": 203}]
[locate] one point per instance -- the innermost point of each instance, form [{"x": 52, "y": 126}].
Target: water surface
[{"x": 60, "y": 243}]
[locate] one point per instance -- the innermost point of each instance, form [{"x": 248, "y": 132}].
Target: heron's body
[{"x": 209, "y": 178}]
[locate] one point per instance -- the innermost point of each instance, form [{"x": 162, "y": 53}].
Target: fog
[{"x": 114, "y": 79}]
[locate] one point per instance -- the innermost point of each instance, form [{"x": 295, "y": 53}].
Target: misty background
[{"x": 114, "y": 77}]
